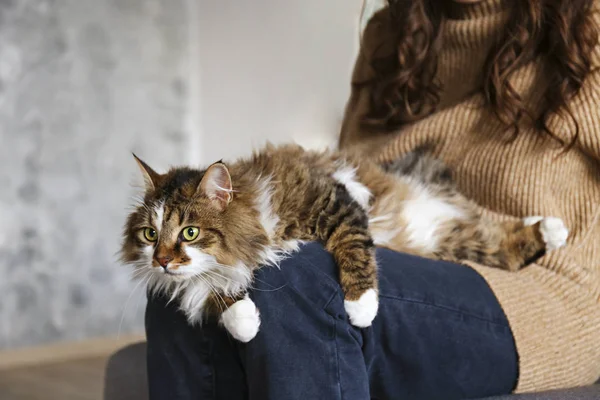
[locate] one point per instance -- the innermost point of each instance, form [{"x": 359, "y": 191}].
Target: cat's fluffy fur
[{"x": 255, "y": 211}]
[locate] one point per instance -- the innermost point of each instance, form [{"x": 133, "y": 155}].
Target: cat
[{"x": 199, "y": 235}]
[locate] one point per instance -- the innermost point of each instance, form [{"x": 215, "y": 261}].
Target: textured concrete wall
[{"x": 82, "y": 83}]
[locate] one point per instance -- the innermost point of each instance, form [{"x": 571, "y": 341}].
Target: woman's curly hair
[{"x": 563, "y": 32}]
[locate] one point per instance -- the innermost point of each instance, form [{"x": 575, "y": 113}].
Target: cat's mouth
[
  {"x": 170, "y": 272},
  {"x": 173, "y": 274}
]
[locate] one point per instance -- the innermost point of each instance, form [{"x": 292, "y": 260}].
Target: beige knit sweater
[{"x": 552, "y": 306}]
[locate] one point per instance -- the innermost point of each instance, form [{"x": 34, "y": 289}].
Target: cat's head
[{"x": 189, "y": 227}]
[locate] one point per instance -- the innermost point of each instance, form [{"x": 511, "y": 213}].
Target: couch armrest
[
  {"x": 579, "y": 393},
  {"x": 126, "y": 377}
]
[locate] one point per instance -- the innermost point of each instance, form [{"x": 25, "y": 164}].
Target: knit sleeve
[
  {"x": 585, "y": 251},
  {"x": 579, "y": 261}
]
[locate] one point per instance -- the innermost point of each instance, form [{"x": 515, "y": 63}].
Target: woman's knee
[
  {"x": 301, "y": 297},
  {"x": 309, "y": 275},
  {"x": 420, "y": 280}
]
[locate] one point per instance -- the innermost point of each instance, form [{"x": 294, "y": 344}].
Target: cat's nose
[{"x": 164, "y": 261}]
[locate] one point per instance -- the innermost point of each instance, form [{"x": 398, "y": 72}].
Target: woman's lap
[{"x": 440, "y": 333}]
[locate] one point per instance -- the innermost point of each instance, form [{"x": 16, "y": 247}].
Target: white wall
[{"x": 276, "y": 70}]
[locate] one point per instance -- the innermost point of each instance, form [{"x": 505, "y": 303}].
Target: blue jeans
[{"x": 440, "y": 334}]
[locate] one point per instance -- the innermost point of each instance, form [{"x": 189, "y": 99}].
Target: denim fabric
[{"x": 440, "y": 334}]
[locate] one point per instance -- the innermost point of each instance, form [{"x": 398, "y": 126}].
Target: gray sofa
[{"x": 126, "y": 380}]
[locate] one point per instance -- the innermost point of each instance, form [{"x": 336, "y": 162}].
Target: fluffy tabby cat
[{"x": 200, "y": 235}]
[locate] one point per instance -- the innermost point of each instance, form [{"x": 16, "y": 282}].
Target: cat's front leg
[
  {"x": 343, "y": 227},
  {"x": 238, "y": 315}
]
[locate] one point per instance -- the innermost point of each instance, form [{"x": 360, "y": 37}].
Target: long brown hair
[{"x": 562, "y": 31}]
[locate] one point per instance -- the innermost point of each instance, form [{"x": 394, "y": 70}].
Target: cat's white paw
[
  {"x": 362, "y": 311},
  {"x": 554, "y": 232},
  {"x": 242, "y": 320}
]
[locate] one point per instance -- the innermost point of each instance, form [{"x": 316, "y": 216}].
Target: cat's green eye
[
  {"x": 150, "y": 234},
  {"x": 190, "y": 233}
]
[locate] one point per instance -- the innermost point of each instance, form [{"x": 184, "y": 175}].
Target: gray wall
[{"x": 84, "y": 82}]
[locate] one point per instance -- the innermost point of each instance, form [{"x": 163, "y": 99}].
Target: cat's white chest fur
[
  {"x": 424, "y": 213},
  {"x": 242, "y": 319},
  {"x": 226, "y": 280},
  {"x": 193, "y": 300}
]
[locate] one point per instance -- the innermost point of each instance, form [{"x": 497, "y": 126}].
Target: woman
[{"x": 507, "y": 93}]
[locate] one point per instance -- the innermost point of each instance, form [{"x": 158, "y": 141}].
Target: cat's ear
[
  {"x": 151, "y": 177},
  {"x": 216, "y": 185}
]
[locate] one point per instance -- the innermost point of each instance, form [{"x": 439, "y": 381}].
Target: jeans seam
[
  {"x": 446, "y": 308},
  {"x": 337, "y": 358},
  {"x": 333, "y": 295},
  {"x": 212, "y": 372},
  {"x": 336, "y": 321}
]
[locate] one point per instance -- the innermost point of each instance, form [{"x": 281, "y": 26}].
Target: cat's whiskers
[
  {"x": 214, "y": 291},
  {"x": 217, "y": 275},
  {"x": 139, "y": 272},
  {"x": 145, "y": 285},
  {"x": 227, "y": 279},
  {"x": 149, "y": 274},
  {"x": 176, "y": 291},
  {"x": 266, "y": 283},
  {"x": 217, "y": 265},
  {"x": 214, "y": 274}
]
